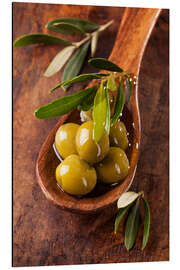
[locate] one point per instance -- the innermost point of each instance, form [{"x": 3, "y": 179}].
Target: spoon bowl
[{"x": 132, "y": 37}]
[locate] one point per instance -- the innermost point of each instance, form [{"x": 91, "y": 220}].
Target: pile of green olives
[{"x": 85, "y": 162}]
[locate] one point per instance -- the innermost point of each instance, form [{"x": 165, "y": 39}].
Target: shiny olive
[
  {"x": 87, "y": 148},
  {"x": 118, "y": 135},
  {"x": 114, "y": 167},
  {"x": 65, "y": 139},
  {"x": 76, "y": 176}
]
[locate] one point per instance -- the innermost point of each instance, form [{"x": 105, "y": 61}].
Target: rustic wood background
[{"x": 42, "y": 233}]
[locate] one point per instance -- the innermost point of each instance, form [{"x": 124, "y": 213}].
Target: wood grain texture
[
  {"x": 42, "y": 233},
  {"x": 129, "y": 33}
]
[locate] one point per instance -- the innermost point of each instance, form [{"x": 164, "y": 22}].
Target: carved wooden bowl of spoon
[{"x": 132, "y": 37}]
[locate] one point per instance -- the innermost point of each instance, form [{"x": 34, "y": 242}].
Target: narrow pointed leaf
[
  {"x": 105, "y": 64},
  {"x": 74, "y": 65},
  {"x": 94, "y": 42},
  {"x": 128, "y": 90},
  {"x": 84, "y": 25},
  {"x": 99, "y": 113},
  {"x": 119, "y": 103},
  {"x": 88, "y": 103},
  {"x": 127, "y": 198},
  {"x": 80, "y": 78},
  {"x": 119, "y": 217},
  {"x": 108, "y": 112},
  {"x": 146, "y": 223},
  {"x": 59, "y": 60},
  {"x": 132, "y": 226},
  {"x": 68, "y": 28},
  {"x": 111, "y": 84},
  {"x": 36, "y": 38},
  {"x": 62, "y": 105}
]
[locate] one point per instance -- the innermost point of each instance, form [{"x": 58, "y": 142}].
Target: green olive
[
  {"x": 87, "y": 148},
  {"x": 65, "y": 139},
  {"x": 114, "y": 167},
  {"x": 76, "y": 176},
  {"x": 118, "y": 135}
]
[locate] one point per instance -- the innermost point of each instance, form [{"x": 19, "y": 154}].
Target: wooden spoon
[{"x": 133, "y": 34}]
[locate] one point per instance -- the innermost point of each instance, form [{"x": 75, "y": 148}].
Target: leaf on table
[
  {"x": 62, "y": 105},
  {"x": 80, "y": 78},
  {"x": 119, "y": 217},
  {"x": 119, "y": 103},
  {"x": 99, "y": 113},
  {"x": 146, "y": 223},
  {"x": 108, "y": 112},
  {"x": 59, "y": 60},
  {"x": 74, "y": 65},
  {"x": 105, "y": 64},
  {"x": 84, "y": 25},
  {"x": 94, "y": 42},
  {"x": 128, "y": 89},
  {"x": 127, "y": 198},
  {"x": 36, "y": 38},
  {"x": 111, "y": 84},
  {"x": 132, "y": 226},
  {"x": 68, "y": 28}
]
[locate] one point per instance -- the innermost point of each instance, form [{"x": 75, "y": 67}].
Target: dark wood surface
[{"x": 43, "y": 234}]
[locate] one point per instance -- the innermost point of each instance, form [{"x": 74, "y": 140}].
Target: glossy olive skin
[
  {"x": 65, "y": 139},
  {"x": 87, "y": 148},
  {"x": 76, "y": 176},
  {"x": 118, "y": 135},
  {"x": 114, "y": 168}
]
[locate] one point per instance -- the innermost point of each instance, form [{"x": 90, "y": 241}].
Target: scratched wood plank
[{"x": 42, "y": 233}]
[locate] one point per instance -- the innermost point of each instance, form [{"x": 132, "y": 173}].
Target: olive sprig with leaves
[
  {"x": 129, "y": 203},
  {"x": 95, "y": 97},
  {"x": 72, "y": 56}
]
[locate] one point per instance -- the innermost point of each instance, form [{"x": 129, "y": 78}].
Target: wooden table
[{"x": 42, "y": 233}]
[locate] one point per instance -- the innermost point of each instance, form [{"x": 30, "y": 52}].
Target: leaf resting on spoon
[
  {"x": 80, "y": 78},
  {"x": 63, "y": 105},
  {"x": 105, "y": 64},
  {"x": 99, "y": 113}
]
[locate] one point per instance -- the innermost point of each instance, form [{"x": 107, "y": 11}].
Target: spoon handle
[{"x": 133, "y": 34}]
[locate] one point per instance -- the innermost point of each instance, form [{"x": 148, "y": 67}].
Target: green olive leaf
[
  {"x": 88, "y": 103},
  {"x": 68, "y": 28},
  {"x": 36, "y": 38},
  {"x": 119, "y": 217},
  {"x": 63, "y": 105},
  {"x": 105, "y": 64},
  {"x": 111, "y": 84},
  {"x": 99, "y": 113},
  {"x": 59, "y": 60},
  {"x": 80, "y": 78},
  {"x": 94, "y": 42},
  {"x": 146, "y": 223},
  {"x": 84, "y": 25},
  {"x": 132, "y": 226},
  {"x": 127, "y": 198},
  {"x": 128, "y": 89},
  {"x": 74, "y": 65},
  {"x": 119, "y": 103},
  {"x": 108, "y": 112}
]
